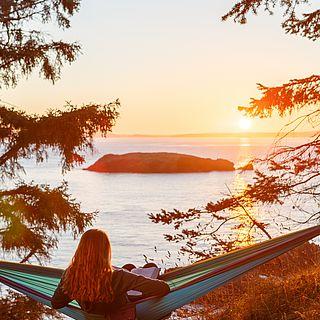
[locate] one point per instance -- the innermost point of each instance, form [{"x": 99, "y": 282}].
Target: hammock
[{"x": 186, "y": 283}]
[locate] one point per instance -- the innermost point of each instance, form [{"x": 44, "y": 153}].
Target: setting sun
[{"x": 245, "y": 123}]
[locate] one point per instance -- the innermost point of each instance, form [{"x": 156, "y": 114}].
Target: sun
[{"x": 245, "y": 123}]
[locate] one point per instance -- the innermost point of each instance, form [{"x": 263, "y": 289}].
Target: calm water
[{"x": 125, "y": 200}]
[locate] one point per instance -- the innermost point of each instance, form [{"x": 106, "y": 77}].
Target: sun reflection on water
[{"x": 244, "y": 230}]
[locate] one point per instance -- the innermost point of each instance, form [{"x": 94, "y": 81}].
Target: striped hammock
[{"x": 186, "y": 283}]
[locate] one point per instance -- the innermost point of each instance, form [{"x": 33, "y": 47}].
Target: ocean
[{"x": 125, "y": 200}]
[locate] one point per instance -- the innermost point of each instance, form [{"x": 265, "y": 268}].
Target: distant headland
[
  {"x": 158, "y": 162},
  {"x": 295, "y": 134}
]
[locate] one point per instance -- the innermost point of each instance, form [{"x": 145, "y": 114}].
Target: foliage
[
  {"x": 67, "y": 131},
  {"x": 307, "y": 25},
  {"x": 23, "y": 48},
  {"x": 31, "y": 215},
  {"x": 293, "y": 96},
  {"x": 289, "y": 175},
  {"x": 284, "y": 288},
  {"x": 16, "y": 307},
  {"x": 205, "y": 232}
]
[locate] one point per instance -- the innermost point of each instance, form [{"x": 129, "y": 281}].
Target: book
[{"x": 152, "y": 272}]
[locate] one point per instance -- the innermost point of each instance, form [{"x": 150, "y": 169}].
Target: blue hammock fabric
[{"x": 186, "y": 283}]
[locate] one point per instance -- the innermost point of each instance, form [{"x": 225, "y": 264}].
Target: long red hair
[{"x": 88, "y": 277}]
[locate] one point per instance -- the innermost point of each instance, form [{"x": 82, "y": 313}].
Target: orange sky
[{"x": 175, "y": 67}]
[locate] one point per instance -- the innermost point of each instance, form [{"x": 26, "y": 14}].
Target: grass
[{"x": 286, "y": 288}]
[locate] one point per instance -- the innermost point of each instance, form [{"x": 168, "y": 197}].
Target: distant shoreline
[{"x": 305, "y": 134}]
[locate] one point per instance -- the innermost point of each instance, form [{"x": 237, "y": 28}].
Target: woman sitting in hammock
[{"x": 94, "y": 284}]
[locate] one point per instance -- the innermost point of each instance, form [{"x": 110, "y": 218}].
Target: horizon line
[{"x": 216, "y": 134}]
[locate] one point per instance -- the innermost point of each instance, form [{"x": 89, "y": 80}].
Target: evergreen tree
[{"x": 31, "y": 215}]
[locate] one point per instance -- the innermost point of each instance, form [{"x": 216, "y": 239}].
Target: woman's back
[
  {"x": 122, "y": 282},
  {"x": 94, "y": 284}
]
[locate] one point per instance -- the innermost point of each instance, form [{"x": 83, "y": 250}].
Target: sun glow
[{"x": 245, "y": 123}]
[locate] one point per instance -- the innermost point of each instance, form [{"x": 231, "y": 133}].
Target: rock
[
  {"x": 248, "y": 166},
  {"x": 158, "y": 162}
]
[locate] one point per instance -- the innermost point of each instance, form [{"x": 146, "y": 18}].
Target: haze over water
[{"x": 125, "y": 200}]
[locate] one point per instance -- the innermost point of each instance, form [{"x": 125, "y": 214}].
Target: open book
[{"x": 152, "y": 272}]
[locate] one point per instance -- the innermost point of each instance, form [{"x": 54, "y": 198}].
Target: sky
[{"x": 174, "y": 65}]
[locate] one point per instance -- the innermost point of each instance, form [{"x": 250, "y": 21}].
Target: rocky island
[{"x": 158, "y": 162}]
